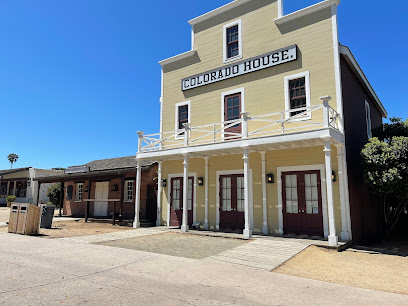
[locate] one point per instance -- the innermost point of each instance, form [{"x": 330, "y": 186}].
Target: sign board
[
  {"x": 256, "y": 63},
  {"x": 77, "y": 169}
]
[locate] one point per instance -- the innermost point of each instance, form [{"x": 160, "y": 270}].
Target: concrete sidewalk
[{"x": 40, "y": 271}]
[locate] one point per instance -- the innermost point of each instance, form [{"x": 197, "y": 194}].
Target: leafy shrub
[
  {"x": 10, "y": 198},
  {"x": 53, "y": 193}
]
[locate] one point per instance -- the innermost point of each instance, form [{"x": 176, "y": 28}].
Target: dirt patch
[
  {"x": 353, "y": 267},
  {"x": 64, "y": 229},
  {"x": 178, "y": 244}
]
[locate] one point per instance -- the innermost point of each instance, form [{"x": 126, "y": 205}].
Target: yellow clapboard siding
[{"x": 264, "y": 90}]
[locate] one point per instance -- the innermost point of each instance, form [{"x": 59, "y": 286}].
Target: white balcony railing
[{"x": 251, "y": 127}]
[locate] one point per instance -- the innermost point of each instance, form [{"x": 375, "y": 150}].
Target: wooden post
[
  {"x": 122, "y": 194},
  {"x": 113, "y": 214},
  {"x": 87, "y": 202},
  {"x": 38, "y": 192},
  {"x": 61, "y": 199}
]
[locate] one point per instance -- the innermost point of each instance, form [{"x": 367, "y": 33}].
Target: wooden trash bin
[
  {"x": 25, "y": 220},
  {"x": 12, "y": 228}
]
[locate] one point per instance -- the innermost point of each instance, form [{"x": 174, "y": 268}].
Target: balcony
[{"x": 319, "y": 121}]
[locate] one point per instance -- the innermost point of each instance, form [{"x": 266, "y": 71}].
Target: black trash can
[{"x": 47, "y": 213}]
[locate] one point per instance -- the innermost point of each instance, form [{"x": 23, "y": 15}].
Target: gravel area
[
  {"x": 64, "y": 229},
  {"x": 364, "y": 269},
  {"x": 178, "y": 244}
]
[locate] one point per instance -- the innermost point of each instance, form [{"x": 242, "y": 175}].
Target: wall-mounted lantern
[
  {"x": 333, "y": 176},
  {"x": 200, "y": 181},
  {"x": 115, "y": 187},
  {"x": 86, "y": 188},
  {"x": 270, "y": 179},
  {"x": 164, "y": 183}
]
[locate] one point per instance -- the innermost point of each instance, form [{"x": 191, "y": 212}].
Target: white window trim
[
  {"x": 125, "y": 191},
  {"x": 169, "y": 177},
  {"x": 368, "y": 120},
  {"x": 177, "y": 116},
  {"x": 225, "y": 53},
  {"x": 227, "y": 93},
  {"x": 321, "y": 168},
  {"x": 76, "y": 191},
  {"x": 306, "y": 75}
]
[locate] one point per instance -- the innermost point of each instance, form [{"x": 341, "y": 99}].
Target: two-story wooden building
[{"x": 262, "y": 122}]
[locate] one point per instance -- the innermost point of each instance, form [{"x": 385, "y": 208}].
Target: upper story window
[
  {"x": 78, "y": 191},
  {"x": 297, "y": 94},
  {"x": 182, "y": 115},
  {"x": 368, "y": 120},
  {"x": 232, "y": 41},
  {"x": 129, "y": 191}
]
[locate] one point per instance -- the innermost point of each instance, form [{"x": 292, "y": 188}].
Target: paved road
[{"x": 39, "y": 271}]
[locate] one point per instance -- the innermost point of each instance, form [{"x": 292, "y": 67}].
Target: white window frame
[
  {"x": 125, "y": 196},
  {"x": 228, "y": 93},
  {"x": 306, "y": 75},
  {"x": 225, "y": 53},
  {"x": 177, "y": 116},
  {"x": 77, "y": 194},
  {"x": 368, "y": 119}
]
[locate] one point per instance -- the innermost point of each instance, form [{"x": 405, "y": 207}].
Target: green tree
[
  {"x": 396, "y": 127},
  {"x": 406, "y": 122},
  {"x": 12, "y": 159},
  {"x": 386, "y": 171},
  {"x": 54, "y": 193}
]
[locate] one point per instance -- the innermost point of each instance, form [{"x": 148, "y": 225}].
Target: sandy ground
[
  {"x": 65, "y": 229},
  {"x": 177, "y": 244},
  {"x": 362, "y": 269}
]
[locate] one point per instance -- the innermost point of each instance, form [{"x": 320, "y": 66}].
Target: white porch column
[
  {"x": 333, "y": 239},
  {"x": 247, "y": 231},
  {"x": 159, "y": 192},
  {"x": 265, "y": 229},
  {"x": 184, "y": 225},
  {"x": 206, "y": 225},
  {"x": 280, "y": 8},
  {"x": 136, "y": 223},
  {"x": 345, "y": 235}
]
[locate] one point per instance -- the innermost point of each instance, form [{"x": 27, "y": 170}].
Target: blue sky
[{"x": 78, "y": 78}]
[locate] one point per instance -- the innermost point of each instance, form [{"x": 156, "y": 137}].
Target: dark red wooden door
[
  {"x": 176, "y": 201},
  {"x": 232, "y": 111},
  {"x": 232, "y": 205},
  {"x": 302, "y": 203}
]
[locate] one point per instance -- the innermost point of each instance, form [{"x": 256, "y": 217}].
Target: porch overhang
[{"x": 267, "y": 143}]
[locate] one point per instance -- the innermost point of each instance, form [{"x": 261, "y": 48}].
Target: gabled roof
[
  {"x": 345, "y": 51},
  {"x": 114, "y": 163}
]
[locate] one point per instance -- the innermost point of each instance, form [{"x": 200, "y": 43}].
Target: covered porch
[{"x": 258, "y": 162}]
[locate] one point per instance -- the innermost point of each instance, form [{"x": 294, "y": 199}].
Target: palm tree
[{"x": 12, "y": 159}]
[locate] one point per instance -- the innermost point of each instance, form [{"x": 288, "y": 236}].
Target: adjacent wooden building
[{"x": 89, "y": 190}]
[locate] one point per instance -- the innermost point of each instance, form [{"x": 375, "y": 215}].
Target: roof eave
[
  {"x": 344, "y": 50},
  {"x": 217, "y": 11},
  {"x": 306, "y": 11},
  {"x": 178, "y": 57}
]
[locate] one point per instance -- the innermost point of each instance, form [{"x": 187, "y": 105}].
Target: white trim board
[
  {"x": 173, "y": 175},
  {"x": 322, "y": 170},
  {"x": 306, "y": 11},
  {"x": 217, "y": 192}
]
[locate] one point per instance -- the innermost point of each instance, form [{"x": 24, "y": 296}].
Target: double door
[
  {"x": 176, "y": 201},
  {"x": 302, "y": 203},
  {"x": 232, "y": 202}
]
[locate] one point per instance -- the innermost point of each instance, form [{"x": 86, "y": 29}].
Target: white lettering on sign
[{"x": 267, "y": 60}]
